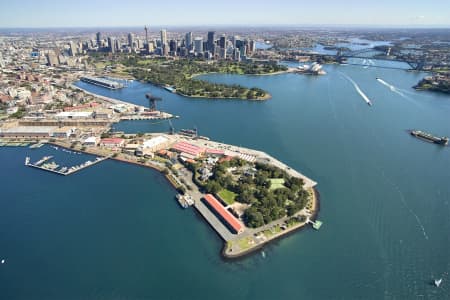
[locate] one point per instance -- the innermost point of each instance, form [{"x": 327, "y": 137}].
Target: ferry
[{"x": 430, "y": 138}]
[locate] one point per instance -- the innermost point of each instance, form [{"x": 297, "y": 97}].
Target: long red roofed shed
[{"x": 225, "y": 214}]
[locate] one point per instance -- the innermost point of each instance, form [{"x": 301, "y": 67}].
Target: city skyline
[{"x": 100, "y": 13}]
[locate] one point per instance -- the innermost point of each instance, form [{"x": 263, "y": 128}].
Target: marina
[{"x": 53, "y": 167}]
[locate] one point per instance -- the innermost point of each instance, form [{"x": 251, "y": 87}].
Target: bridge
[{"x": 372, "y": 53}]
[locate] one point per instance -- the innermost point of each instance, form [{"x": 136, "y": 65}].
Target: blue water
[{"x": 114, "y": 231}]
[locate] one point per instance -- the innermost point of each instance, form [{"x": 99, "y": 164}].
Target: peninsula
[
  {"x": 180, "y": 75},
  {"x": 248, "y": 197}
]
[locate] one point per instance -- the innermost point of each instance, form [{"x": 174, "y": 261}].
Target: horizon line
[{"x": 361, "y": 26}]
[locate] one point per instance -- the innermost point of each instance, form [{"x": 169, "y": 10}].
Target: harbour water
[{"x": 114, "y": 231}]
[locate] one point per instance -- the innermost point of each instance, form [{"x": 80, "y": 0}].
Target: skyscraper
[
  {"x": 130, "y": 39},
  {"x": 111, "y": 44},
  {"x": 72, "y": 49},
  {"x": 252, "y": 46},
  {"x": 210, "y": 42},
  {"x": 198, "y": 45},
  {"x": 163, "y": 37},
  {"x": 173, "y": 45},
  {"x": 188, "y": 41},
  {"x": 222, "y": 41},
  {"x": 99, "y": 39}
]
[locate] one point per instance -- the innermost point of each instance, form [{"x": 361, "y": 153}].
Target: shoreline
[
  {"x": 283, "y": 234},
  {"x": 225, "y": 253},
  {"x": 104, "y": 98}
]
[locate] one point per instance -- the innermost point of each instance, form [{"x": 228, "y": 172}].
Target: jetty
[
  {"x": 65, "y": 171},
  {"x": 315, "y": 224}
]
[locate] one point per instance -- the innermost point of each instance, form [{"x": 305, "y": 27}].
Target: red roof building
[
  {"x": 225, "y": 214},
  {"x": 188, "y": 148},
  {"x": 112, "y": 142},
  {"x": 215, "y": 152}
]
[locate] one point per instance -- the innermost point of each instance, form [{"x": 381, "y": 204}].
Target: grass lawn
[
  {"x": 227, "y": 196},
  {"x": 245, "y": 243},
  {"x": 276, "y": 183}
]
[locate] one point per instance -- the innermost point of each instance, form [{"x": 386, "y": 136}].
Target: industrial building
[
  {"x": 189, "y": 149},
  {"x": 224, "y": 214},
  {"x": 28, "y": 131},
  {"x": 156, "y": 143}
]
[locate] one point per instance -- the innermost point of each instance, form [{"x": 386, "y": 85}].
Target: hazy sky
[{"x": 102, "y": 13}]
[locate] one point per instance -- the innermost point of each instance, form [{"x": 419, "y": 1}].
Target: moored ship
[{"x": 430, "y": 138}]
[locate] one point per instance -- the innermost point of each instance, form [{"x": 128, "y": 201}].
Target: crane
[{"x": 152, "y": 101}]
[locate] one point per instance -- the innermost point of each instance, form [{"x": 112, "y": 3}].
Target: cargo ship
[{"x": 430, "y": 138}]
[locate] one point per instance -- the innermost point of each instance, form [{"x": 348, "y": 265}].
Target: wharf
[
  {"x": 64, "y": 170},
  {"x": 141, "y": 117},
  {"x": 215, "y": 223}
]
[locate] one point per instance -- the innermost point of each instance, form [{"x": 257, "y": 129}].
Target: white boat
[
  {"x": 3, "y": 261},
  {"x": 437, "y": 282},
  {"x": 263, "y": 254}
]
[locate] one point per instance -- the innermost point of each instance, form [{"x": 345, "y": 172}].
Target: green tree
[
  {"x": 212, "y": 187},
  {"x": 253, "y": 218}
]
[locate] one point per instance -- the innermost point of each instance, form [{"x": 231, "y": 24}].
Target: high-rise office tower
[
  {"x": 163, "y": 37},
  {"x": 234, "y": 40},
  {"x": 111, "y": 44},
  {"x": 99, "y": 39},
  {"x": 188, "y": 41},
  {"x": 252, "y": 46},
  {"x": 117, "y": 45},
  {"x": 130, "y": 39},
  {"x": 173, "y": 44},
  {"x": 223, "y": 41},
  {"x": 72, "y": 49},
  {"x": 210, "y": 41},
  {"x": 198, "y": 45}
]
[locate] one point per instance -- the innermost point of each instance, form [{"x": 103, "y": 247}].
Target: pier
[
  {"x": 215, "y": 223},
  {"x": 65, "y": 171},
  {"x": 113, "y": 85},
  {"x": 164, "y": 116}
]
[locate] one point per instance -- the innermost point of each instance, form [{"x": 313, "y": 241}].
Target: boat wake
[
  {"x": 402, "y": 199},
  {"x": 356, "y": 86},
  {"x": 397, "y": 90},
  {"x": 391, "y": 87}
]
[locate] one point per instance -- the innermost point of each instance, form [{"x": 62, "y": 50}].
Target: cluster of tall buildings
[{"x": 213, "y": 47}]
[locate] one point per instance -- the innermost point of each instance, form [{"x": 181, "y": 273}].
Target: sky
[{"x": 134, "y": 13}]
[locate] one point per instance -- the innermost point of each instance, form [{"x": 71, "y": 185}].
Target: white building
[{"x": 155, "y": 144}]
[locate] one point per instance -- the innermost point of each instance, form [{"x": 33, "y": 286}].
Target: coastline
[
  {"x": 312, "y": 211},
  {"x": 104, "y": 98},
  {"x": 314, "y": 214}
]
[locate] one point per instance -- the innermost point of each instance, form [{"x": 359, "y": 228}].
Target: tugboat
[{"x": 430, "y": 138}]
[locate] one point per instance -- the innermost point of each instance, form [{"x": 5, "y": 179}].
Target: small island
[{"x": 179, "y": 75}]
